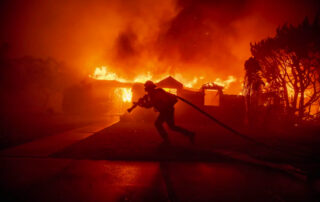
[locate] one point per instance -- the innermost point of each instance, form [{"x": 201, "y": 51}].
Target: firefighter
[{"x": 163, "y": 102}]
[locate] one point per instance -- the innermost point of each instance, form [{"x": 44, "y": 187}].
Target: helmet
[{"x": 149, "y": 85}]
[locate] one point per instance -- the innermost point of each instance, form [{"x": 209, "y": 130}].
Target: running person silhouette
[{"x": 163, "y": 102}]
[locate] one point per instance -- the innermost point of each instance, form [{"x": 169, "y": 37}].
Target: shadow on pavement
[{"x": 123, "y": 142}]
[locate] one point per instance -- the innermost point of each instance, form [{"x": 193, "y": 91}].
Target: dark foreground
[{"x": 124, "y": 162}]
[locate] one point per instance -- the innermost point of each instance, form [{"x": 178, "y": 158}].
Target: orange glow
[
  {"x": 290, "y": 90},
  {"x": 124, "y": 93},
  {"x": 225, "y": 83},
  {"x": 161, "y": 37},
  {"x": 103, "y": 73},
  {"x": 171, "y": 90},
  {"x": 211, "y": 98},
  {"x": 143, "y": 78},
  {"x": 191, "y": 83}
]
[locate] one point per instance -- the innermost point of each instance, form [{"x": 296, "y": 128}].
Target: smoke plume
[{"x": 193, "y": 38}]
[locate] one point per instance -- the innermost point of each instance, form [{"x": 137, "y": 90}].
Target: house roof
[{"x": 169, "y": 82}]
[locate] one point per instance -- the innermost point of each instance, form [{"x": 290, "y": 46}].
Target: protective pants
[{"x": 168, "y": 117}]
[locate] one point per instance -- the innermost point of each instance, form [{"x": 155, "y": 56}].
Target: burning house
[
  {"x": 98, "y": 97},
  {"x": 113, "y": 97}
]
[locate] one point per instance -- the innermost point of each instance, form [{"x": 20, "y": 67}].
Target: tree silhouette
[
  {"x": 253, "y": 85},
  {"x": 289, "y": 65},
  {"x": 253, "y": 81}
]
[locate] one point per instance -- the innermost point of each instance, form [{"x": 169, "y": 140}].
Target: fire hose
[
  {"x": 232, "y": 130},
  {"x": 217, "y": 121},
  {"x": 235, "y": 132}
]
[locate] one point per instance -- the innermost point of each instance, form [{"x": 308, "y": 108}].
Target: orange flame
[
  {"x": 103, "y": 73},
  {"x": 124, "y": 93},
  {"x": 225, "y": 83},
  {"x": 143, "y": 78}
]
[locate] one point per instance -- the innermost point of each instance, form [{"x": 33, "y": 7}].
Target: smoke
[
  {"x": 208, "y": 38},
  {"x": 202, "y": 35}
]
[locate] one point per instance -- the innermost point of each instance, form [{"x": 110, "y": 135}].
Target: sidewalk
[{"x": 45, "y": 146}]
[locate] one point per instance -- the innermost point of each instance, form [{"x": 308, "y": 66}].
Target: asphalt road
[{"x": 125, "y": 162}]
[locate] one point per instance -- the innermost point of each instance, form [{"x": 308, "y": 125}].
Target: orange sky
[{"x": 187, "y": 37}]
